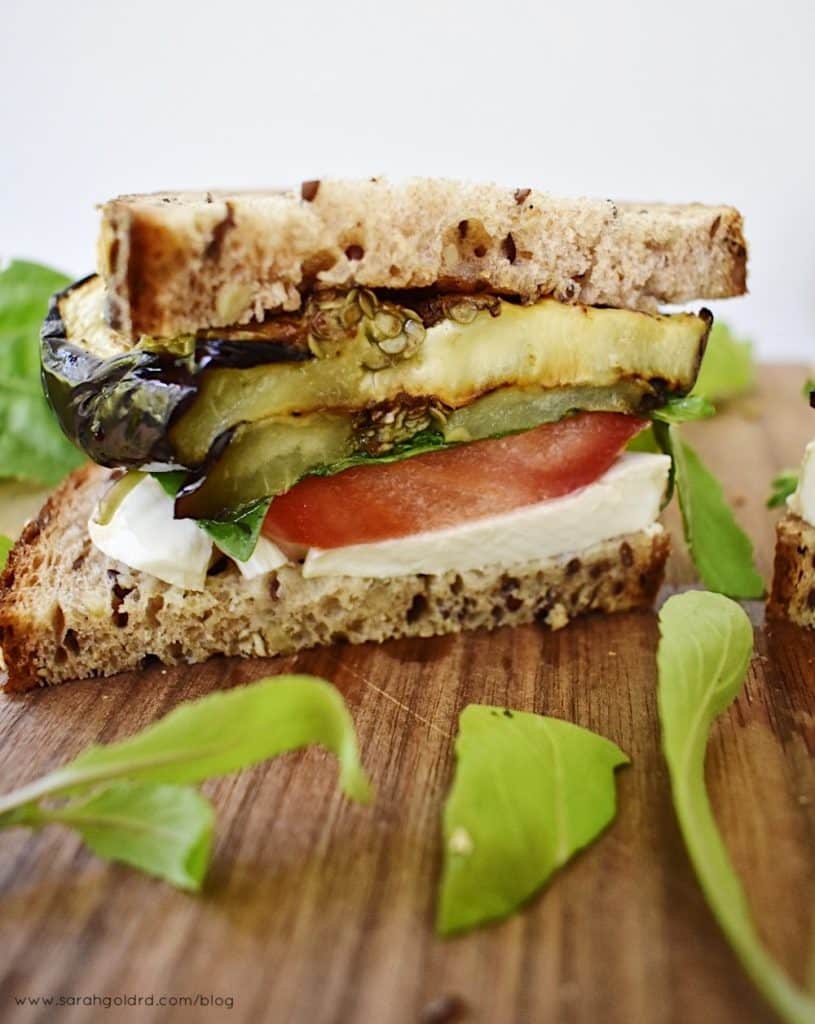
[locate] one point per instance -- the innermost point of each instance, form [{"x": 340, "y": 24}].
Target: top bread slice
[{"x": 178, "y": 262}]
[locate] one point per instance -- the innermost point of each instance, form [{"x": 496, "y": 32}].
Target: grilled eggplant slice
[
  {"x": 167, "y": 402},
  {"x": 549, "y": 345},
  {"x": 255, "y": 408}
]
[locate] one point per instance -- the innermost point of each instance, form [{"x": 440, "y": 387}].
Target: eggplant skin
[{"x": 119, "y": 410}]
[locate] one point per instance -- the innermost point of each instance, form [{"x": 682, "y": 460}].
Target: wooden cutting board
[{"x": 317, "y": 910}]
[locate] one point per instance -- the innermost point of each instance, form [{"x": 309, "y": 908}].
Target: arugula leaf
[
  {"x": 32, "y": 446},
  {"x": 727, "y": 367},
  {"x": 237, "y": 534},
  {"x": 123, "y": 797},
  {"x": 528, "y": 793},
  {"x": 217, "y": 735},
  {"x": 808, "y": 388},
  {"x": 682, "y": 410},
  {"x": 721, "y": 550},
  {"x": 6, "y": 544},
  {"x": 783, "y": 485},
  {"x": 705, "y": 648},
  {"x": 163, "y": 830}
]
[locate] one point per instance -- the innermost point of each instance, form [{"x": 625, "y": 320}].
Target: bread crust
[
  {"x": 174, "y": 263},
  {"x": 67, "y": 611},
  {"x": 793, "y": 591}
]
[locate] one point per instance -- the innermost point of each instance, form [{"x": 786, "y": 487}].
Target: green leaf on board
[
  {"x": 137, "y": 785},
  {"x": 162, "y": 830},
  {"x": 705, "y": 649},
  {"x": 528, "y": 793}
]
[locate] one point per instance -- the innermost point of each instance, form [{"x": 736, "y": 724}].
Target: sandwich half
[{"x": 357, "y": 411}]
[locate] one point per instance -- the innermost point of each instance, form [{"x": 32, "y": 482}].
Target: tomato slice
[{"x": 445, "y": 488}]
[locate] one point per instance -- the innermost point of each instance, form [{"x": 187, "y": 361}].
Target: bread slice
[
  {"x": 67, "y": 611},
  {"x": 177, "y": 262},
  {"x": 793, "y": 590}
]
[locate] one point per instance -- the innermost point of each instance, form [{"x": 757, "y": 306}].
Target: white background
[{"x": 642, "y": 100}]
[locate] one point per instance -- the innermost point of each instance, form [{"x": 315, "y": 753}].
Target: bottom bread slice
[
  {"x": 69, "y": 612},
  {"x": 793, "y": 591}
]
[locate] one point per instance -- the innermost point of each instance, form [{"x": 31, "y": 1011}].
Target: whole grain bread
[
  {"x": 177, "y": 262},
  {"x": 793, "y": 590},
  {"x": 67, "y": 611}
]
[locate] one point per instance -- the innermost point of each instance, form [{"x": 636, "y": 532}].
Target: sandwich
[
  {"x": 793, "y": 590},
  {"x": 357, "y": 411}
]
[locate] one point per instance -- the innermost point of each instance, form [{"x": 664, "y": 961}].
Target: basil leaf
[
  {"x": 163, "y": 830},
  {"x": 214, "y": 736},
  {"x": 237, "y": 534},
  {"x": 528, "y": 793},
  {"x": 682, "y": 410},
  {"x": 171, "y": 482},
  {"x": 727, "y": 369},
  {"x": 425, "y": 441},
  {"x": 705, "y": 648},
  {"x": 32, "y": 446},
  {"x": 6, "y": 544},
  {"x": 783, "y": 486}
]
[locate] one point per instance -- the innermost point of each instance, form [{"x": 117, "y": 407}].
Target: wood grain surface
[{"x": 317, "y": 910}]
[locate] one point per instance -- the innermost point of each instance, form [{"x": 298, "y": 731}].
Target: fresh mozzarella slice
[
  {"x": 802, "y": 502},
  {"x": 627, "y": 498},
  {"x": 144, "y": 535}
]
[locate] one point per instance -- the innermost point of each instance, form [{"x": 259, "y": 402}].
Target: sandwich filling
[
  {"x": 144, "y": 534},
  {"x": 374, "y": 433}
]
